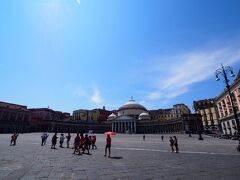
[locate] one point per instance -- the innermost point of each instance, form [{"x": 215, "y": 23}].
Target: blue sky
[{"x": 72, "y": 54}]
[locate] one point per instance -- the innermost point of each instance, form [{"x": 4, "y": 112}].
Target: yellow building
[
  {"x": 167, "y": 114},
  {"x": 207, "y": 109}
]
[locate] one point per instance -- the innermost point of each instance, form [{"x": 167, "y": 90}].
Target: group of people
[
  {"x": 173, "y": 143},
  {"x": 81, "y": 143},
  {"x": 84, "y": 143}
]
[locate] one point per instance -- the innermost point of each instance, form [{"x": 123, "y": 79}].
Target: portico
[{"x": 124, "y": 127}]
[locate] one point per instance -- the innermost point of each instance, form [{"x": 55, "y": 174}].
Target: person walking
[
  {"x": 86, "y": 143},
  {"x": 171, "y": 143},
  {"x": 94, "y": 138},
  {"x": 175, "y": 143},
  {"x": 54, "y": 141},
  {"x": 162, "y": 137},
  {"x": 68, "y": 139},
  {"x": 143, "y": 137},
  {"x": 90, "y": 142},
  {"x": 108, "y": 145},
  {"x": 61, "y": 140},
  {"x": 13, "y": 139},
  {"x": 82, "y": 141},
  {"x": 77, "y": 145}
]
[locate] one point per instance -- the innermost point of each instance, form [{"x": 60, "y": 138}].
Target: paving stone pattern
[{"x": 132, "y": 158}]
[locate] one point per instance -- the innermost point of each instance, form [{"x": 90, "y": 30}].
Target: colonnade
[{"x": 123, "y": 127}]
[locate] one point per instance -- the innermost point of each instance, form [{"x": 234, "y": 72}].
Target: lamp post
[{"x": 224, "y": 70}]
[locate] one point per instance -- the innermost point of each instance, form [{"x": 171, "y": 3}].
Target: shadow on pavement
[{"x": 116, "y": 157}]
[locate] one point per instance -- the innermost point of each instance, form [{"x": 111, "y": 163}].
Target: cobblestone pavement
[{"x": 132, "y": 158}]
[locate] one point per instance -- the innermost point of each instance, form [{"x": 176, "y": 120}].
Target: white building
[{"x": 127, "y": 116}]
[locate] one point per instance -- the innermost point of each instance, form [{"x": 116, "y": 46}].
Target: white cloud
[
  {"x": 154, "y": 95},
  {"x": 78, "y": 1},
  {"x": 79, "y": 92},
  {"x": 183, "y": 70},
  {"x": 96, "y": 96}
]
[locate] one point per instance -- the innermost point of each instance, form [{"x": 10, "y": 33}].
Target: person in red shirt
[
  {"x": 94, "y": 138},
  {"x": 108, "y": 145},
  {"x": 82, "y": 141}
]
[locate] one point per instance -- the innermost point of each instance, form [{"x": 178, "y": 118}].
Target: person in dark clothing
[
  {"x": 143, "y": 137},
  {"x": 44, "y": 138},
  {"x": 86, "y": 143},
  {"x": 162, "y": 137},
  {"x": 82, "y": 140},
  {"x": 171, "y": 143},
  {"x": 77, "y": 144},
  {"x": 108, "y": 145},
  {"x": 13, "y": 139},
  {"x": 175, "y": 143},
  {"x": 68, "y": 139},
  {"x": 54, "y": 141},
  {"x": 61, "y": 140},
  {"x": 90, "y": 142}
]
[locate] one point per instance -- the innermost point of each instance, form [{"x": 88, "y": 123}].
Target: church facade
[{"x": 132, "y": 117}]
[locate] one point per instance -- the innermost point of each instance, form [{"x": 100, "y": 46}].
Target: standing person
[
  {"x": 108, "y": 145},
  {"x": 77, "y": 144},
  {"x": 54, "y": 141},
  {"x": 162, "y": 137},
  {"x": 175, "y": 143},
  {"x": 61, "y": 140},
  {"x": 143, "y": 137},
  {"x": 94, "y": 138},
  {"x": 44, "y": 138},
  {"x": 86, "y": 143},
  {"x": 68, "y": 139},
  {"x": 13, "y": 139},
  {"x": 171, "y": 143},
  {"x": 90, "y": 142}
]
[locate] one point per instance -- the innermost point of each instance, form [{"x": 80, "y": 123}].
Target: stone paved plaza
[{"x": 131, "y": 159}]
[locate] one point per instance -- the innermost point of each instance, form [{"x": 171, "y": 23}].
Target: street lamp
[{"x": 224, "y": 70}]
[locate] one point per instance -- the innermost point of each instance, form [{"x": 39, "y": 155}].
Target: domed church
[{"x": 127, "y": 116}]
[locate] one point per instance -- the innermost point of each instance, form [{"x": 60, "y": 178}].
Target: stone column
[
  {"x": 131, "y": 127},
  {"x": 135, "y": 127},
  {"x": 112, "y": 126}
]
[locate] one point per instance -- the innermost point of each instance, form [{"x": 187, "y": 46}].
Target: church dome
[
  {"x": 111, "y": 116},
  {"x": 144, "y": 116},
  {"x": 131, "y": 108},
  {"x": 132, "y": 104}
]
